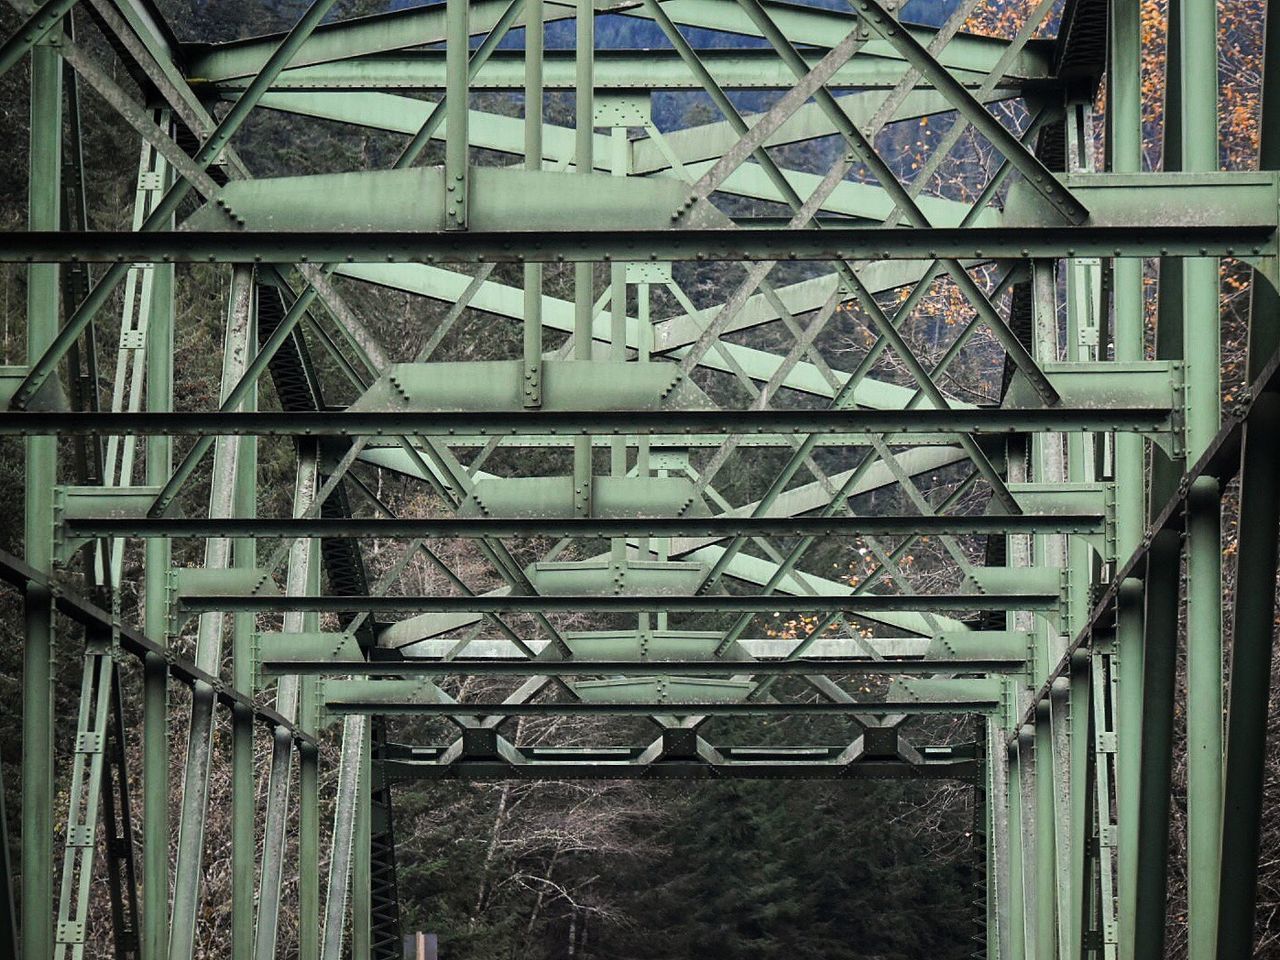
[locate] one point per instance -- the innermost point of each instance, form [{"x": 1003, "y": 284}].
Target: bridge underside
[{"x": 790, "y": 398}]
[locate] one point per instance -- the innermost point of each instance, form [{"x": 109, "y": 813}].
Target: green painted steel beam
[
  {"x": 527, "y": 200},
  {"x": 40, "y": 466},
  {"x": 587, "y": 668},
  {"x": 747, "y": 769},
  {"x": 480, "y": 527},
  {"x": 673, "y": 761},
  {"x": 670, "y": 423},
  {"x": 376, "y": 452},
  {"x": 833, "y": 647},
  {"x": 1253, "y": 239},
  {"x": 750, "y": 68},
  {"x": 679, "y": 708},
  {"x": 615, "y": 604},
  {"x": 415, "y": 198}
]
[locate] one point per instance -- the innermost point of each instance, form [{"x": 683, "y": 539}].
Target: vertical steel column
[
  {"x": 44, "y": 192},
  {"x": 195, "y": 786},
  {"x": 309, "y": 790},
  {"x": 644, "y": 351},
  {"x": 1253, "y": 623},
  {"x": 308, "y": 834},
  {"x": 618, "y": 162},
  {"x": 998, "y": 886},
  {"x": 1025, "y": 795},
  {"x": 243, "y": 843},
  {"x": 1046, "y": 874},
  {"x": 1103, "y": 749},
  {"x": 1084, "y": 303},
  {"x": 1016, "y": 932},
  {"x": 243, "y": 787},
  {"x": 155, "y": 711},
  {"x": 1251, "y": 660},
  {"x": 1048, "y": 551},
  {"x": 1160, "y": 660},
  {"x": 1078, "y": 808},
  {"x": 1053, "y": 745},
  {"x": 274, "y": 832},
  {"x": 457, "y": 49},
  {"x": 533, "y": 97},
  {"x": 1124, "y": 115},
  {"x": 344, "y": 816},
  {"x": 276, "y": 822},
  {"x": 1201, "y": 338},
  {"x": 583, "y": 296},
  {"x": 361, "y": 860}
]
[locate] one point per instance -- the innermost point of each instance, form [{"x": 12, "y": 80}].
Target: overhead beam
[
  {"x": 684, "y": 769},
  {"x": 637, "y": 668},
  {"x": 635, "y": 603},
  {"x": 753, "y": 708},
  {"x": 1249, "y": 237},
  {"x": 744, "y": 68},
  {"x": 480, "y": 527},
  {"x": 352, "y": 423}
]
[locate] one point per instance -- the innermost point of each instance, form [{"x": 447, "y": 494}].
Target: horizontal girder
[
  {"x": 689, "y": 708},
  {"x": 665, "y": 423},
  {"x": 633, "y": 603},
  {"x": 623, "y": 70},
  {"x": 800, "y": 666},
  {"x": 1249, "y": 240},
  {"x": 480, "y": 527}
]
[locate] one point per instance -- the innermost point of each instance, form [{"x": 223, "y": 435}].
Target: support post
[
  {"x": 155, "y": 711},
  {"x": 533, "y": 97},
  {"x": 45, "y": 184},
  {"x": 457, "y": 53},
  {"x": 195, "y": 786},
  {"x": 309, "y": 792},
  {"x": 1251, "y": 659},
  {"x": 999, "y": 908},
  {"x": 1253, "y": 606},
  {"x": 362, "y": 853},
  {"x": 583, "y": 293},
  {"x": 1201, "y": 337},
  {"x": 343, "y": 837},
  {"x": 1160, "y": 642},
  {"x": 243, "y": 788},
  {"x": 1124, "y": 114},
  {"x": 298, "y": 581},
  {"x": 1045, "y": 827}
]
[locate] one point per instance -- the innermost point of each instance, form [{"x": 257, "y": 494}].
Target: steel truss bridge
[{"x": 1063, "y": 507}]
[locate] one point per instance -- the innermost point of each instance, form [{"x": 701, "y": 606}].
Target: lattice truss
[{"x": 801, "y": 434}]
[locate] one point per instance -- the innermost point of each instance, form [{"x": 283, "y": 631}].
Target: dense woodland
[{"x": 649, "y": 871}]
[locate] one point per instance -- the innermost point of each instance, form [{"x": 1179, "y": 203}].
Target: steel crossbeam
[
  {"x": 960, "y": 361},
  {"x": 1254, "y": 238}
]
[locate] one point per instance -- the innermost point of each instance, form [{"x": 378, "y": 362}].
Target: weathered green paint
[
  {"x": 1079, "y": 699},
  {"x": 44, "y": 213}
]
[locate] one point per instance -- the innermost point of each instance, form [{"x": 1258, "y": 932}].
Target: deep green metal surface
[{"x": 1064, "y": 640}]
